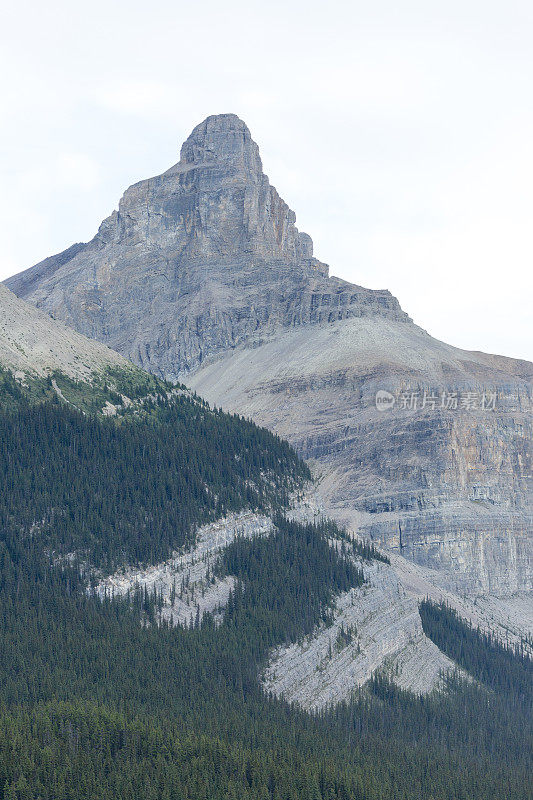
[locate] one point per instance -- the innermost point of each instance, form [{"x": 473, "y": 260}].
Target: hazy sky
[{"x": 401, "y": 133}]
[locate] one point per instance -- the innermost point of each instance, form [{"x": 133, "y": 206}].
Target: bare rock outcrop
[
  {"x": 184, "y": 584},
  {"x": 377, "y": 628},
  {"x": 441, "y": 475},
  {"x": 195, "y": 261}
]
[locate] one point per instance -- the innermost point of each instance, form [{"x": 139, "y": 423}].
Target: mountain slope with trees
[{"x": 98, "y": 699}]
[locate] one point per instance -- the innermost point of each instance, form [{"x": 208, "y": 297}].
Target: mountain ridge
[{"x": 30, "y": 341}]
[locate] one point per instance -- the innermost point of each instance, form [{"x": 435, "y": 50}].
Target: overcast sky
[{"x": 400, "y": 132}]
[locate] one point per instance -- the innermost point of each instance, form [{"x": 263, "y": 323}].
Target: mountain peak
[
  {"x": 215, "y": 203},
  {"x": 222, "y": 138},
  {"x": 204, "y": 257}
]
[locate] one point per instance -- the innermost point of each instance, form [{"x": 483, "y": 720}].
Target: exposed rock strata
[
  {"x": 183, "y": 582},
  {"x": 447, "y": 488},
  {"x": 196, "y": 261},
  {"x": 388, "y": 633},
  {"x": 387, "y": 636}
]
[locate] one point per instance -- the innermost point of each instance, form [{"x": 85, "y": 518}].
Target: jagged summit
[
  {"x": 195, "y": 261},
  {"x": 215, "y": 203},
  {"x": 223, "y": 138}
]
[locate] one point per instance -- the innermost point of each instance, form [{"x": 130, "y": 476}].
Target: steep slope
[
  {"x": 32, "y": 342},
  {"x": 132, "y": 477},
  {"x": 43, "y": 359},
  {"x": 446, "y": 487},
  {"x": 113, "y": 467},
  {"x": 202, "y": 273}
]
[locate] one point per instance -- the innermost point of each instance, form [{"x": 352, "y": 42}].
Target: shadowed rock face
[{"x": 203, "y": 275}]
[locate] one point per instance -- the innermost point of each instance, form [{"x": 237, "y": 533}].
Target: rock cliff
[
  {"x": 448, "y": 487},
  {"x": 195, "y": 262}
]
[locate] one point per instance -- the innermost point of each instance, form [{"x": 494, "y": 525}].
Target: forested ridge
[
  {"x": 132, "y": 490},
  {"x": 504, "y": 668},
  {"x": 95, "y": 703}
]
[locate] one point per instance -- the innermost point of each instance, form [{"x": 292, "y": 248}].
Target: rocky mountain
[
  {"x": 196, "y": 261},
  {"x": 202, "y": 275}
]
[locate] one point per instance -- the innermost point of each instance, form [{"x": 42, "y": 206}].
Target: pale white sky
[{"x": 400, "y": 132}]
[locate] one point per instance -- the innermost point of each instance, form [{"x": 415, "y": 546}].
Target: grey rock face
[
  {"x": 195, "y": 262},
  {"x": 202, "y": 274},
  {"x": 446, "y": 488}
]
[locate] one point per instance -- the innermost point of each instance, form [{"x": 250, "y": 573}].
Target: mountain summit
[
  {"x": 223, "y": 138},
  {"x": 216, "y": 202},
  {"x": 195, "y": 261},
  {"x": 202, "y": 275}
]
